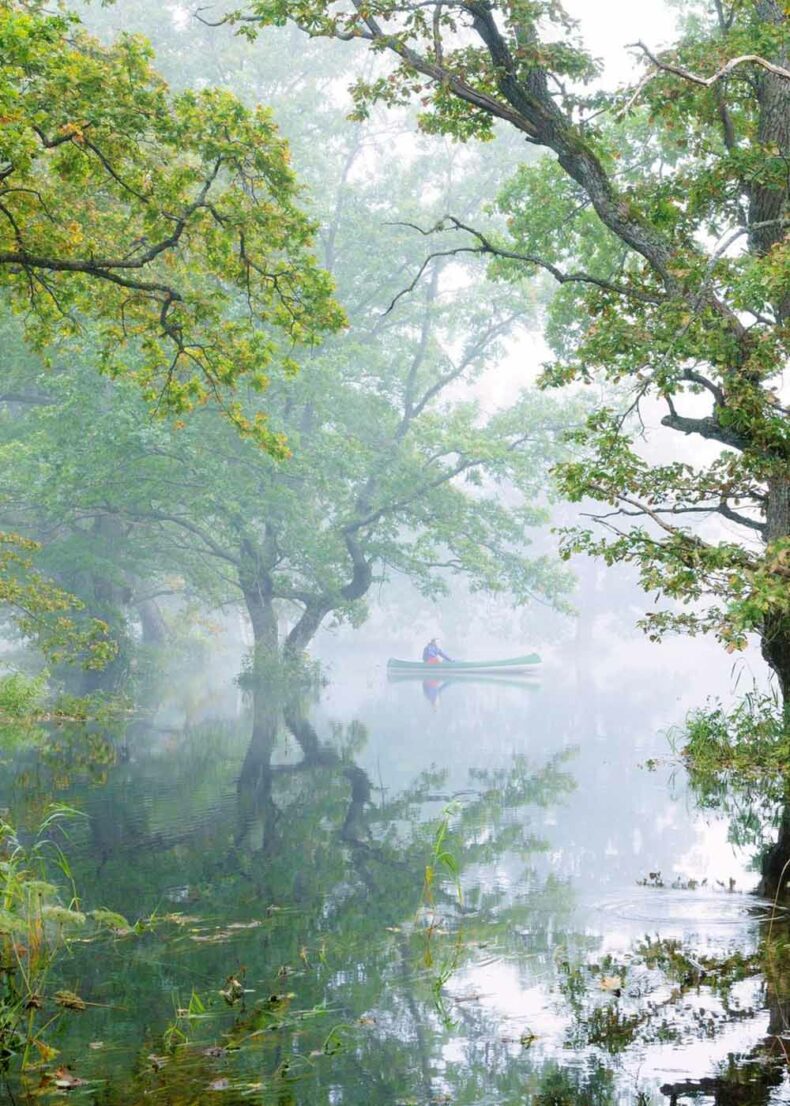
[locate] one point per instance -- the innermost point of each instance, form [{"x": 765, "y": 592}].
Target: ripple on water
[{"x": 698, "y": 910}]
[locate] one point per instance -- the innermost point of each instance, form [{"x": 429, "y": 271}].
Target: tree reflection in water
[{"x": 283, "y": 864}]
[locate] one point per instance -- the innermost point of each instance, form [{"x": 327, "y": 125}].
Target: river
[{"x": 410, "y": 892}]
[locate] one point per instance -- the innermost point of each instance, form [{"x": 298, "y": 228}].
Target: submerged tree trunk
[
  {"x": 775, "y": 881},
  {"x": 355, "y": 829},
  {"x": 255, "y": 798},
  {"x": 775, "y": 877}
]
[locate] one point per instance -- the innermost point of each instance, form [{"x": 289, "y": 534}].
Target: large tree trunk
[
  {"x": 776, "y": 634},
  {"x": 775, "y": 877},
  {"x": 306, "y": 628},
  {"x": 258, "y": 590},
  {"x": 767, "y": 204},
  {"x": 775, "y": 881},
  {"x": 262, "y": 619}
]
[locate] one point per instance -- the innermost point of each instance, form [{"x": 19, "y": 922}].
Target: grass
[
  {"x": 40, "y": 913},
  {"x": 22, "y": 697},
  {"x": 749, "y": 742}
]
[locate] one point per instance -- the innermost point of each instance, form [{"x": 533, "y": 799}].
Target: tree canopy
[
  {"x": 396, "y": 466},
  {"x": 662, "y": 214},
  {"x": 162, "y": 231}
]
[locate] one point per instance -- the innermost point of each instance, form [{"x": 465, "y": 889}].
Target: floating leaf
[
  {"x": 65, "y": 1080},
  {"x": 69, "y": 1001}
]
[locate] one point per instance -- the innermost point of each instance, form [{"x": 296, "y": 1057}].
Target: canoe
[{"x": 447, "y": 668}]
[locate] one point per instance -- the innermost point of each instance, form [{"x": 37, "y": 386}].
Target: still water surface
[{"x": 464, "y": 892}]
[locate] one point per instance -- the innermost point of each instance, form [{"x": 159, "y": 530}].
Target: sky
[{"x": 608, "y": 26}]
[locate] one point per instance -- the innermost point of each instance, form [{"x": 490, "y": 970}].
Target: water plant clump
[
  {"x": 38, "y": 920},
  {"x": 751, "y": 742}
]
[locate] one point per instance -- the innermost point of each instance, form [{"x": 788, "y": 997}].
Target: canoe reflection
[{"x": 434, "y": 686}]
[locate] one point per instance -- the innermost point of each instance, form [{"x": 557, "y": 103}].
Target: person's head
[{"x": 433, "y": 641}]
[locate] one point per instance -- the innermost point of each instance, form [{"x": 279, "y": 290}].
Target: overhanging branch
[{"x": 487, "y": 247}]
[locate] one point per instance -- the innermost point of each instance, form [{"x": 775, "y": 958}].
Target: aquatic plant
[
  {"x": 752, "y": 741},
  {"x": 280, "y": 673},
  {"x": 21, "y": 695},
  {"x": 34, "y": 925},
  {"x": 37, "y": 921},
  {"x": 441, "y": 861}
]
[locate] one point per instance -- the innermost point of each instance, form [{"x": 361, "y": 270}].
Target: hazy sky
[{"x": 608, "y": 25}]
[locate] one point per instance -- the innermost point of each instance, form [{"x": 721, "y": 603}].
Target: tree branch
[
  {"x": 707, "y": 427},
  {"x": 488, "y": 248},
  {"x": 708, "y": 82}
]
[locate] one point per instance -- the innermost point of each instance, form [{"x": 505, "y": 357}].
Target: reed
[{"x": 37, "y": 920}]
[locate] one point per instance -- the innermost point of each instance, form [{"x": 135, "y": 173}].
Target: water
[{"x": 585, "y": 934}]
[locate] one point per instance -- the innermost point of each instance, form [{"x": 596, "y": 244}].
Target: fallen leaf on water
[
  {"x": 68, "y": 1000},
  {"x": 65, "y": 1081},
  {"x": 234, "y": 990}
]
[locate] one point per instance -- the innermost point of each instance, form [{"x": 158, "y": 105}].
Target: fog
[{"x": 343, "y": 769}]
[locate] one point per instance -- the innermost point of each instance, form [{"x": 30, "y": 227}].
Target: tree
[
  {"x": 663, "y": 216},
  {"x": 393, "y": 468},
  {"x": 160, "y": 233},
  {"x": 163, "y": 228}
]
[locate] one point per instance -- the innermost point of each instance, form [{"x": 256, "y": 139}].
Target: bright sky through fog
[{"x": 609, "y": 25}]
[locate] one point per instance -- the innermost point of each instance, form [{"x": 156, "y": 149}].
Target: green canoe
[{"x": 510, "y": 664}]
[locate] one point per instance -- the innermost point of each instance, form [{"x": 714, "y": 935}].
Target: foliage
[
  {"x": 157, "y": 237},
  {"x": 45, "y": 612},
  {"x": 737, "y": 763},
  {"x": 750, "y": 743},
  {"x": 663, "y": 218},
  {"x": 286, "y": 676},
  {"x": 20, "y": 695},
  {"x": 163, "y": 229},
  {"x": 397, "y": 467},
  {"x": 34, "y": 927}
]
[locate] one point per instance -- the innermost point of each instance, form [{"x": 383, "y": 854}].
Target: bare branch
[
  {"x": 708, "y": 82},
  {"x": 486, "y": 247}
]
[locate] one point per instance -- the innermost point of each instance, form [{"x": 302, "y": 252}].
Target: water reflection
[
  {"x": 434, "y": 686},
  {"x": 291, "y": 851}
]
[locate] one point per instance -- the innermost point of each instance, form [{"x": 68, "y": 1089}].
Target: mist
[{"x": 393, "y": 553}]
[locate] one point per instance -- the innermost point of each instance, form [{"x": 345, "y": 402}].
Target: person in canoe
[{"x": 432, "y": 654}]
